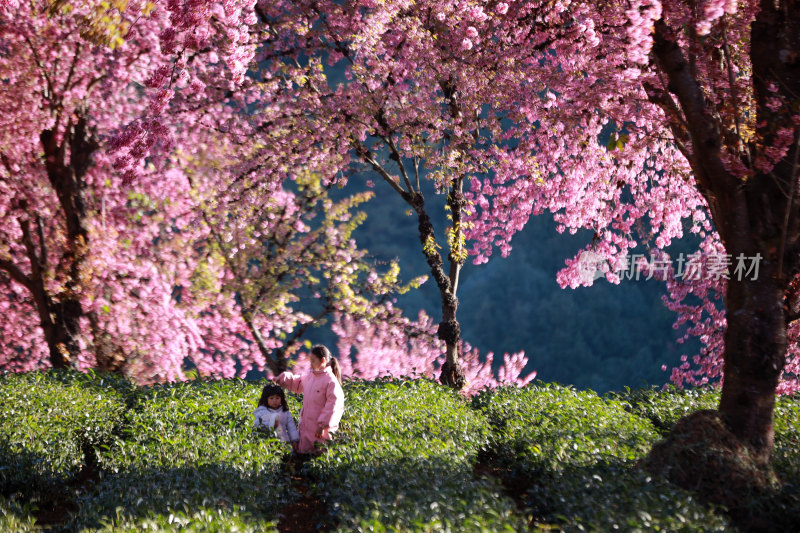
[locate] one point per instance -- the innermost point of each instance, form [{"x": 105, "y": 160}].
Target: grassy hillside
[{"x": 96, "y": 453}]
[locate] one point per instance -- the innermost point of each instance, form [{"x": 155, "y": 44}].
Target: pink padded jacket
[{"x": 323, "y": 404}]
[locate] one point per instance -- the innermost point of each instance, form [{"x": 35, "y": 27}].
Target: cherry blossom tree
[
  {"x": 152, "y": 235},
  {"x": 371, "y": 349},
  {"x": 286, "y": 255},
  {"x": 699, "y": 100},
  {"x": 97, "y": 264},
  {"x": 50, "y": 166},
  {"x": 387, "y": 87}
]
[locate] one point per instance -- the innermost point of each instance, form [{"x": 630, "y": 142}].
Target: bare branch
[
  {"x": 72, "y": 67},
  {"x": 395, "y": 156},
  {"x": 30, "y": 248},
  {"x": 367, "y": 156},
  {"x": 44, "y": 71},
  {"x": 789, "y": 204},
  {"x": 743, "y": 147}
]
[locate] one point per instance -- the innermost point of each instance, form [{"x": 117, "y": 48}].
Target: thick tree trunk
[
  {"x": 754, "y": 214},
  {"x": 60, "y": 314},
  {"x": 755, "y": 339},
  {"x": 65, "y": 332},
  {"x": 755, "y": 354}
]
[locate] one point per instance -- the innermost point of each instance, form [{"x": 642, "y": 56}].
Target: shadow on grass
[
  {"x": 616, "y": 495},
  {"x": 368, "y": 492},
  {"x": 28, "y": 479}
]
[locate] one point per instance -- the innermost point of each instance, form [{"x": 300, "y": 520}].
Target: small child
[
  {"x": 323, "y": 398},
  {"x": 273, "y": 412}
]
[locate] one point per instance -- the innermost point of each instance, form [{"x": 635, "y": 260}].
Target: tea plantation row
[{"x": 84, "y": 452}]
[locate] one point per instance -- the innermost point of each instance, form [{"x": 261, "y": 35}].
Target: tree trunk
[
  {"x": 755, "y": 354},
  {"x": 60, "y": 314},
  {"x": 764, "y": 219},
  {"x": 61, "y": 340},
  {"x": 755, "y": 214},
  {"x": 449, "y": 329}
]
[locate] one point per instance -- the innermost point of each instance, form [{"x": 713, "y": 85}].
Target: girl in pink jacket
[{"x": 323, "y": 398}]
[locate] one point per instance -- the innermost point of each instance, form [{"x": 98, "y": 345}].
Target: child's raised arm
[{"x": 289, "y": 381}]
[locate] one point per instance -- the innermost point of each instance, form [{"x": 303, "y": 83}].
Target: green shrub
[
  {"x": 551, "y": 426},
  {"x": 664, "y": 407},
  {"x": 198, "y": 520},
  {"x": 49, "y": 420},
  {"x": 15, "y": 517},
  {"x": 189, "y": 451},
  {"x": 184, "y": 457},
  {"x": 786, "y": 455},
  {"x": 786, "y": 461},
  {"x": 615, "y": 497},
  {"x": 403, "y": 461},
  {"x": 571, "y": 454},
  {"x": 192, "y": 423}
]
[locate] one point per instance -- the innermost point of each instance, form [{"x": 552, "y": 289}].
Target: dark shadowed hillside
[{"x": 603, "y": 337}]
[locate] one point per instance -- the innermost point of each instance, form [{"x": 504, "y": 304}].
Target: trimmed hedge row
[
  {"x": 553, "y": 426},
  {"x": 664, "y": 407},
  {"x": 403, "y": 461},
  {"x": 409, "y": 456},
  {"x": 190, "y": 460},
  {"x": 49, "y": 421},
  {"x": 573, "y": 454}
]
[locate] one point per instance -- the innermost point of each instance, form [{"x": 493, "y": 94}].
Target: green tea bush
[
  {"x": 786, "y": 455},
  {"x": 203, "y": 520},
  {"x": 189, "y": 459},
  {"x": 664, "y": 407},
  {"x": 786, "y": 462},
  {"x": 184, "y": 457},
  {"x": 15, "y": 517},
  {"x": 571, "y": 455},
  {"x": 616, "y": 497},
  {"x": 50, "y": 420},
  {"x": 403, "y": 461},
  {"x": 552, "y": 426}
]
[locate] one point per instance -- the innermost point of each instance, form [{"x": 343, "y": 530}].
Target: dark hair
[
  {"x": 325, "y": 354},
  {"x": 270, "y": 389}
]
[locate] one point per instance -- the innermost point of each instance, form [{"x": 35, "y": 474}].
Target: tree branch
[
  {"x": 395, "y": 156},
  {"x": 42, "y": 245},
  {"x": 72, "y": 67},
  {"x": 677, "y": 124},
  {"x": 743, "y": 147},
  {"x": 367, "y": 156},
  {"x": 16, "y": 273},
  {"x": 712, "y": 178},
  {"x": 788, "y": 212},
  {"x": 50, "y": 88},
  {"x": 30, "y": 248}
]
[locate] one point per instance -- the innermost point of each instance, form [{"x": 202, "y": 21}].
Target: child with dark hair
[
  {"x": 273, "y": 412},
  {"x": 323, "y": 398}
]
